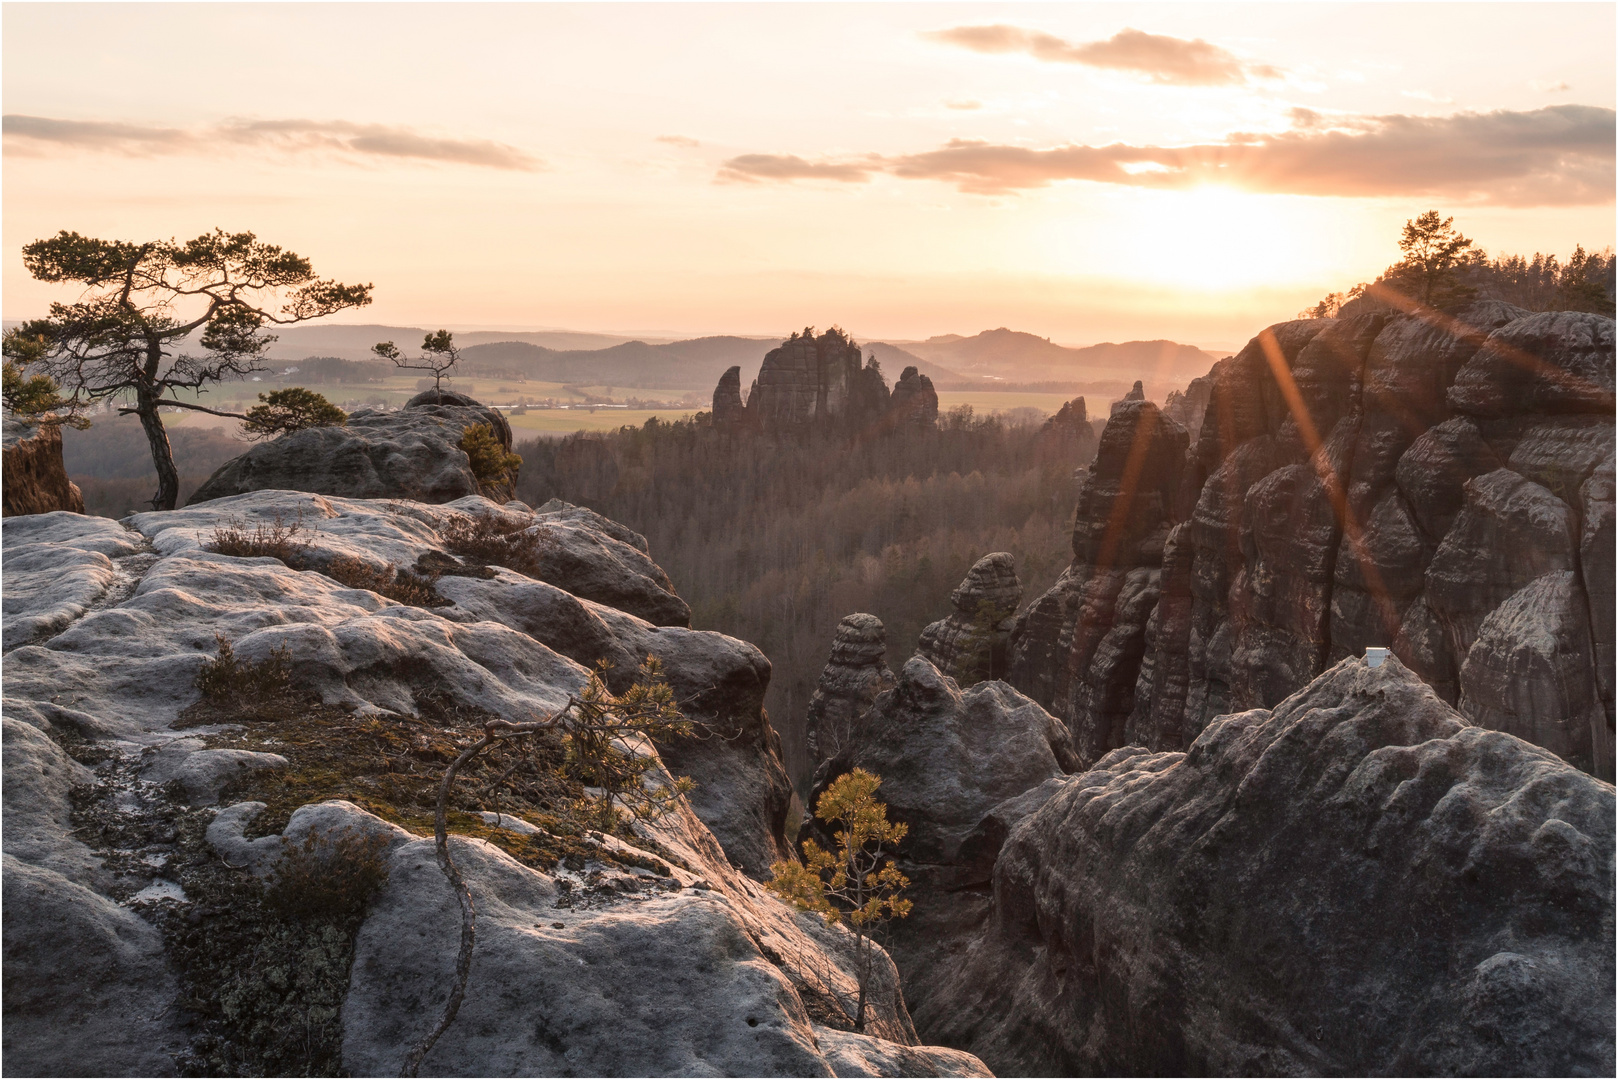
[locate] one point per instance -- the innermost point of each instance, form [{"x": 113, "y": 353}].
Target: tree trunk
[{"x": 168, "y": 478}]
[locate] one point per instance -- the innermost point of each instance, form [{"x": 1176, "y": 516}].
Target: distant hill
[
  {"x": 693, "y": 364},
  {"x": 354, "y": 342},
  {"x": 1019, "y": 357}
]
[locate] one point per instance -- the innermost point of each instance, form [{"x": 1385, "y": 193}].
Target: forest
[{"x": 774, "y": 541}]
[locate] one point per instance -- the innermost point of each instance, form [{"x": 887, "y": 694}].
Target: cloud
[
  {"x": 964, "y": 106},
  {"x": 1169, "y": 60},
  {"x": 1549, "y": 87},
  {"x": 679, "y": 140},
  {"x": 1560, "y": 155},
  {"x": 751, "y": 168},
  {"x": 36, "y": 134}
]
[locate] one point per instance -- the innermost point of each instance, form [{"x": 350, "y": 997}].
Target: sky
[{"x": 1084, "y": 172}]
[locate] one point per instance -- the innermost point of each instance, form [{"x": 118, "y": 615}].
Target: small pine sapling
[
  {"x": 439, "y": 355},
  {"x": 291, "y": 409},
  {"x": 858, "y": 881}
]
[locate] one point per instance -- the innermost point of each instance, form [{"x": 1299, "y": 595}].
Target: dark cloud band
[
  {"x": 342, "y": 137},
  {"x": 1562, "y": 155}
]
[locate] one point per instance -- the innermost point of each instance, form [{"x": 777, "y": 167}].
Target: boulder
[
  {"x": 409, "y": 453},
  {"x": 856, "y": 672},
  {"x": 970, "y": 644},
  {"x": 1357, "y": 882},
  {"x": 35, "y": 480}
]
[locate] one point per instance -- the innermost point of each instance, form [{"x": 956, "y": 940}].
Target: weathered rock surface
[
  {"x": 970, "y": 643},
  {"x": 695, "y": 969},
  {"x": 958, "y": 766},
  {"x": 856, "y": 672},
  {"x": 1530, "y": 671},
  {"x": 596, "y": 563},
  {"x": 408, "y": 453},
  {"x": 33, "y": 479},
  {"x": 1357, "y": 882},
  {"x": 1375, "y": 480}
]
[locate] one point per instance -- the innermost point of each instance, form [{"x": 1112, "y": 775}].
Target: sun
[{"x": 1207, "y": 238}]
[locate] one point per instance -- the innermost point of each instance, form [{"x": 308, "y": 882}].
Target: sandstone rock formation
[
  {"x": 808, "y": 380},
  {"x": 961, "y": 768},
  {"x": 1188, "y": 407},
  {"x": 819, "y": 384},
  {"x": 855, "y": 674},
  {"x": 914, "y": 403},
  {"x": 1356, "y": 882},
  {"x": 729, "y": 414},
  {"x": 970, "y": 644},
  {"x": 1077, "y": 649},
  {"x": 1383, "y": 479},
  {"x": 34, "y": 480},
  {"x": 409, "y": 453},
  {"x": 670, "y": 962}
]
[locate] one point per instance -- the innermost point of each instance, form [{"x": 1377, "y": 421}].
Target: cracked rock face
[
  {"x": 1356, "y": 882},
  {"x": 1379, "y": 480},
  {"x": 102, "y": 650}
]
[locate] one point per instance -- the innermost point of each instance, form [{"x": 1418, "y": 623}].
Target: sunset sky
[{"x": 1086, "y": 172}]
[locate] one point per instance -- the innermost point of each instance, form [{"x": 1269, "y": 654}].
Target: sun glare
[{"x": 1205, "y": 239}]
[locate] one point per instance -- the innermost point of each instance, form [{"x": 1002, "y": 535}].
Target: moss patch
[{"x": 392, "y": 766}]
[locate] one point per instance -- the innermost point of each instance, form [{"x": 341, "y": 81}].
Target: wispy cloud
[
  {"x": 751, "y": 168},
  {"x": 1160, "y": 58},
  {"x": 963, "y": 106},
  {"x": 1561, "y": 155},
  {"x": 684, "y": 141},
  {"x": 38, "y": 134}
]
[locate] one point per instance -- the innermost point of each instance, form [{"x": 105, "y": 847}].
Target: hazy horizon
[{"x": 1086, "y": 173}]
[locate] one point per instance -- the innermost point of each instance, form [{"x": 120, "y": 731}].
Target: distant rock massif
[{"x": 819, "y": 383}]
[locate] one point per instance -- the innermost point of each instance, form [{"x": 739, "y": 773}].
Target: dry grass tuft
[
  {"x": 403, "y": 586},
  {"x": 489, "y": 541},
  {"x": 276, "y": 540}
]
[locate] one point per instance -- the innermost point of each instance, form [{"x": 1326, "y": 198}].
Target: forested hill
[
  {"x": 775, "y": 541},
  {"x": 1014, "y": 355}
]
